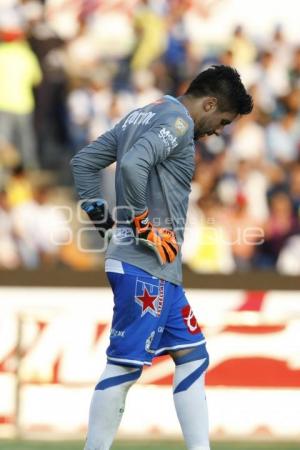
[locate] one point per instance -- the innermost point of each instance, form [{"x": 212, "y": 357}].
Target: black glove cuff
[{"x": 99, "y": 215}]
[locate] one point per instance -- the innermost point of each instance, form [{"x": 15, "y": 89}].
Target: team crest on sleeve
[
  {"x": 150, "y": 297},
  {"x": 181, "y": 126}
]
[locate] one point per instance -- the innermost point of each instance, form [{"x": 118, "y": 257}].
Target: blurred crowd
[{"x": 71, "y": 70}]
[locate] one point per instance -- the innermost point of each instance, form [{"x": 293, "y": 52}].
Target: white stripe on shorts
[
  {"x": 181, "y": 346},
  {"x": 132, "y": 361}
]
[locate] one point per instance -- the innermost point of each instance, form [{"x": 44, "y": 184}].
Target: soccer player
[{"x": 154, "y": 150}]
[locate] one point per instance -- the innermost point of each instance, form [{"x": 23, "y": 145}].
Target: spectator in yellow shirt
[
  {"x": 19, "y": 73},
  {"x": 151, "y": 37}
]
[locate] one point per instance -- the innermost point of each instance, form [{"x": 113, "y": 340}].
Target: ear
[{"x": 210, "y": 104}]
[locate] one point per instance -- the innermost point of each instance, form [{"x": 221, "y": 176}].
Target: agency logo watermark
[{"x": 77, "y": 227}]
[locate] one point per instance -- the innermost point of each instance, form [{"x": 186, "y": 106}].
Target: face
[{"x": 209, "y": 120}]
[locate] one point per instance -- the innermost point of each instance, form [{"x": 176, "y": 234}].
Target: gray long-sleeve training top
[{"x": 154, "y": 150}]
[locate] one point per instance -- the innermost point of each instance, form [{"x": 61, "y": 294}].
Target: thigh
[
  {"x": 181, "y": 329},
  {"x": 141, "y": 309}
]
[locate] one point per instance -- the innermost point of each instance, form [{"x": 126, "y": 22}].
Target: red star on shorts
[{"x": 147, "y": 302}]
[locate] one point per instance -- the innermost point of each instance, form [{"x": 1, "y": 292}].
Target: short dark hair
[{"x": 224, "y": 83}]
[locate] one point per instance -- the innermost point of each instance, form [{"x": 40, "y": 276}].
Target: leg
[
  {"x": 108, "y": 404},
  {"x": 189, "y": 395},
  {"x": 26, "y": 142},
  {"x": 134, "y": 330},
  {"x": 185, "y": 342},
  {"x": 7, "y": 127}
]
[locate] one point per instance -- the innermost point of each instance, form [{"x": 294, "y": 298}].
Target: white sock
[
  {"x": 108, "y": 404},
  {"x": 190, "y": 404}
]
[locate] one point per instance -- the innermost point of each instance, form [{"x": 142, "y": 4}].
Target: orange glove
[{"x": 161, "y": 240}]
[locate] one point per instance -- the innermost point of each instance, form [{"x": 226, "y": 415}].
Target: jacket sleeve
[
  {"x": 88, "y": 163},
  {"x": 154, "y": 147}
]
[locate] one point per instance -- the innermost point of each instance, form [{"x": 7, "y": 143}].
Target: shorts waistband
[{"x": 116, "y": 266}]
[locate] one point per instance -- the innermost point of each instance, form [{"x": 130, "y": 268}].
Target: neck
[{"x": 187, "y": 102}]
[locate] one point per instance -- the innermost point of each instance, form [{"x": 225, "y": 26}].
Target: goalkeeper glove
[
  {"x": 98, "y": 213},
  {"x": 161, "y": 240}
]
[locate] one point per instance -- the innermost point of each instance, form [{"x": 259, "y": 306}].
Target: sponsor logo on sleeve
[
  {"x": 168, "y": 139},
  {"x": 181, "y": 126}
]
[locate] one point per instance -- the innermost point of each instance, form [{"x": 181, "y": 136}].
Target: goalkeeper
[{"x": 154, "y": 150}]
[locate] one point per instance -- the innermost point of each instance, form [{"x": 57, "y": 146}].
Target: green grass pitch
[{"x": 35, "y": 445}]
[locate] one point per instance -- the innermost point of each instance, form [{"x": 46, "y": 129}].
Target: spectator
[
  {"x": 294, "y": 72},
  {"x": 50, "y": 111},
  {"x": 280, "y": 48},
  {"x": 176, "y": 55},
  {"x": 207, "y": 247},
  {"x": 249, "y": 181},
  {"x": 243, "y": 53},
  {"x": 94, "y": 107},
  {"x": 283, "y": 139},
  {"x": 272, "y": 81},
  {"x": 294, "y": 187},
  {"x": 150, "y": 36},
  {"x": 280, "y": 225},
  {"x": 244, "y": 232},
  {"x": 38, "y": 226},
  {"x": 144, "y": 90},
  {"x": 82, "y": 54},
  {"x": 20, "y": 72},
  {"x": 248, "y": 140},
  {"x": 80, "y": 112},
  {"x": 242, "y": 48},
  {"x": 9, "y": 257},
  {"x": 19, "y": 188}
]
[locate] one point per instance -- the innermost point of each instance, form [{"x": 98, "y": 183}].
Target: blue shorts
[{"x": 150, "y": 317}]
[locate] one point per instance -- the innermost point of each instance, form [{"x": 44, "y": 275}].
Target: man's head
[{"x": 215, "y": 98}]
